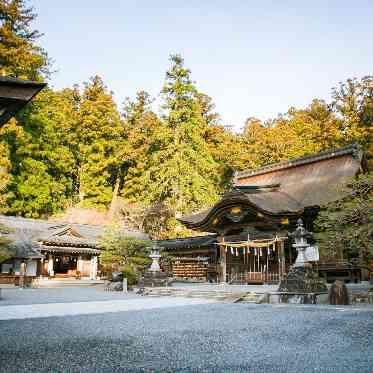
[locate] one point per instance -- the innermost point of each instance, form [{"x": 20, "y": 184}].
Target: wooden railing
[{"x": 253, "y": 277}]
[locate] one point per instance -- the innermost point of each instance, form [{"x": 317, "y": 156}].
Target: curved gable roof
[{"x": 286, "y": 188}]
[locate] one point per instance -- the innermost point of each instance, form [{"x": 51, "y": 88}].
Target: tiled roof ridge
[{"x": 354, "y": 149}]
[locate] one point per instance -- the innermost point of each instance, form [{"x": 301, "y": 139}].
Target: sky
[{"x": 253, "y": 58}]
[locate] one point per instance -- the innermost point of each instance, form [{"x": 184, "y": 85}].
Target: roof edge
[
  {"x": 7, "y": 80},
  {"x": 354, "y": 149}
]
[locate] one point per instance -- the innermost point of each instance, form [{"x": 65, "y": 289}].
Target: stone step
[
  {"x": 251, "y": 298},
  {"x": 207, "y": 294},
  {"x": 67, "y": 283}
]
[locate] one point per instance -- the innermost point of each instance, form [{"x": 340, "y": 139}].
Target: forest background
[{"x": 75, "y": 149}]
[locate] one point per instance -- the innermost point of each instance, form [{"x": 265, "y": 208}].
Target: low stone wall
[
  {"x": 298, "y": 298},
  {"x": 16, "y": 279},
  {"x": 315, "y": 298},
  {"x": 7, "y": 279}
]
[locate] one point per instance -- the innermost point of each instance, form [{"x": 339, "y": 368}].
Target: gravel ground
[
  {"x": 218, "y": 337},
  {"x": 60, "y": 295}
]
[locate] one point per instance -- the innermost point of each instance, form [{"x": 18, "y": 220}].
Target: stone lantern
[
  {"x": 154, "y": 277},
  {"x": 155, "y": 256},
  {"x": 300, "y": 236},
  {"x": 302, "y": 284}
]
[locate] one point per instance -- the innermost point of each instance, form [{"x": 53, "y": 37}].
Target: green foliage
[
  {"x": 122, "y": 253},
  {"x": 293, "y": 135},
  {"x": 39, "y": 156},
  {"x": 353, "y": 101},
  {"x": 72, "y": 147},
  {"x": 5, "y": 175},
  {"x": 98, "y": 133},
  {"x": 345, "y": 227},
  {"x": 5, "y": 252},
  {"x": 140, "y": 140},
  {"x": 182, "y": 173},
  {"x": 19, "y": 55}
]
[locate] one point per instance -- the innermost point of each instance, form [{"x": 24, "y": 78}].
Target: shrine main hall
[{"x": 245, "y": 234}]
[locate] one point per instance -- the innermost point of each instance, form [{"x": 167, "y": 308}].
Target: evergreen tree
[
  {"x": 345, "y": 227},
  {"x": 126, "y": 254},
  {"x": 19, "y": 55},
  {"x": 224, "y": 146},
  {"x": 5, "y": 175},
  {"x": 42, "y": 163},
  {"x": 97, "y": 138},
  {"x": 5, "y": 252},
  {"x": 353, "y": 101},
  {"x": 140, "y": 141},
  {"x": 297, "y": 133},
  {"x": 182, "y": 172}
]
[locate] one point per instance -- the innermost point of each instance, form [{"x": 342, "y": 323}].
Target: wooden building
[
  {"x": 193, "y": 257},
  {"x": 251, "y": 222},
  {"x": 54, "y": 249}
]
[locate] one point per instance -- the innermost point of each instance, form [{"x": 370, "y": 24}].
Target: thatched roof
[
  {"x": 286, "y": 188},
  {"x": 14, "y": 95}
]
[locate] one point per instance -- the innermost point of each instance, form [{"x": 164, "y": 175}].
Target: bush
[{"x": 126, "y": 254}]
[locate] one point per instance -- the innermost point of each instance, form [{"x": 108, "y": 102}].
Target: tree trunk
[
  {"x": 114, "y": 199},
  {"x": 79, "y": 185}
]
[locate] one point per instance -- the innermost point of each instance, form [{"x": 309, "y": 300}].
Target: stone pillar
[
  {"x": 125, "y": 285},
  {"x": 93, "y": 272},
  {"x": 50, "y": 265}
]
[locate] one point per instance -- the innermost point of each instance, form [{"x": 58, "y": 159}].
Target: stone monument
[
  {"x": 301, "y": 281},
  {"x": 154, "y": 277}
]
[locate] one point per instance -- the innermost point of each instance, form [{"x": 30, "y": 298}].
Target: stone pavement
[{"x": 85, "y": 308}]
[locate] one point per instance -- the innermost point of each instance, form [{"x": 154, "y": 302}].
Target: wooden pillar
[
  {"x": 267, "y": 264},
  {"x": 41, "y": 268},
  {"x": 291, "y": 255},
  {"x": 282, "y": 251},
  {"x": 223, "y": 262},
  {"x": 278, "y": 249}
]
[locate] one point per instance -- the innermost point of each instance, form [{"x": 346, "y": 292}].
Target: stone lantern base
[
  {"x": 153, "y": 279},
  {"x": 302, "y": 285}
]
